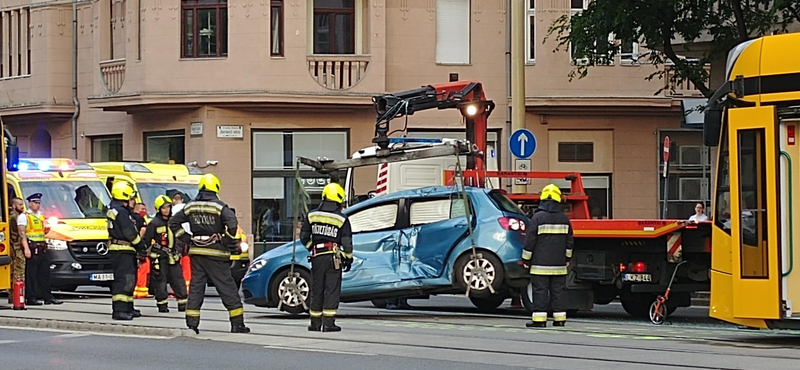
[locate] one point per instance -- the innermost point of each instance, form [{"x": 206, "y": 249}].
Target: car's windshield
[
  {"x": 70, "y": 199},
  {"x": 503, "y": 203},
  {"x": 149, "y": 192}
]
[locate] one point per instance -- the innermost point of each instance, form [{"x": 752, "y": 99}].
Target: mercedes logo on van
[{"x": 102, "y": 249}]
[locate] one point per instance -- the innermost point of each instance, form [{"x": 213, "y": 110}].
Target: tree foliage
[{"x": 666, "y": 29}]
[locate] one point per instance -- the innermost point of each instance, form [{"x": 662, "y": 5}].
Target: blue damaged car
[{"x": 412, "y": 243}]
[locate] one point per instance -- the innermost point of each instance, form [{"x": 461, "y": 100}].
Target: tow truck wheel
[
  {"x": 466, "y": 267},
  {"x": 291, "y": 302},
  {"x": 488, "y": 303}
]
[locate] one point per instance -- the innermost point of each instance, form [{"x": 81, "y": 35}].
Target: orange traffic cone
[
  {"x": 142, "y": 280},
  {"x": 187, "y": 271}
]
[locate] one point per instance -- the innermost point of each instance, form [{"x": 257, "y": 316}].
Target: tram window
[
  {"x": 722, "y": 208},
  {"x": 753, "y": 203}
]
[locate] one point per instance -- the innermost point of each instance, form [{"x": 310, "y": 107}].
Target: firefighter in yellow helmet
[
  {"x": 547, "y": 251},
  {"x": 213, "y": 228},
  {"x": 164, "y": 257},
  {"x": 124, "y": 245},
  {"x": 327, "y": 236}
]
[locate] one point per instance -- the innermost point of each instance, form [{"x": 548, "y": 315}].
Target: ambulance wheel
[
  {"x": 290, "y": 301},
  {"x": 465, "y": 268},
  {"x": 488, "y": 303}
]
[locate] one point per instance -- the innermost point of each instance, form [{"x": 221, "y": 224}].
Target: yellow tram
[{"x": 754, "y": 119}]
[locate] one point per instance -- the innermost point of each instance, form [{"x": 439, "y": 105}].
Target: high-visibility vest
[{"x": 35, "y": 228}]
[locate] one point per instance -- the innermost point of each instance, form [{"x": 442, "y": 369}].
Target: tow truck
[{"x": 632, "y": 260}]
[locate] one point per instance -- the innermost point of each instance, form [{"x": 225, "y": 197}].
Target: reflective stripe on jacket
[{"x": 549, "y": 241}]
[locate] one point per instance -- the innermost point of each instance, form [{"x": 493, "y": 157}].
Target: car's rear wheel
[
  {"x": 466, "y": 271},
  {"x": 379, "y": 303},
  {"x": 488, "y": 303},
  {"x": 291, "y": 300}
]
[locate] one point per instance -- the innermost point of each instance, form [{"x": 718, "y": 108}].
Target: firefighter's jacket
[
  {"x": 549, "y": 242},
  {"x": 212, "y": 223},
  {"x": 324, "y": 227},
  {"x": 122, "y": 232},
  {"x": 160, "y": 240}
]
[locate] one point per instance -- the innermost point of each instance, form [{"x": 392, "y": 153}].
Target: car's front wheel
[
  {"x": 479, "y": 273},
  {"x": 292, "y": 291}
]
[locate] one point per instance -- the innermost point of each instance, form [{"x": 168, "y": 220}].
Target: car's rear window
[{"x": 503, "y": 203}]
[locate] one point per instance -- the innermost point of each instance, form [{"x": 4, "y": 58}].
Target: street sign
[
  {"x": 522, "y": 143},
  {"x": 522, "y": 165},
  {"x": 230, "y": 132},
  {"x": 666, "y": 154}
]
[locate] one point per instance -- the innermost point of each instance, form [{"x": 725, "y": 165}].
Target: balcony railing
[
  {"x": 338, "y": 72},
  {"x": 685, "y": 88},
  {"x": 113, "y": 74}
]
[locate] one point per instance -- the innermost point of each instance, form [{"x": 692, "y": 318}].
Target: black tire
[
  {"x": 489, "y": 303},
  {"x": 379, "y": 303},
  {"x": 526, "y": 296},
  {"x": 494, "y": 270},
  {"x": 638, "y": 305},
  {"x": 293, "y": 307}
]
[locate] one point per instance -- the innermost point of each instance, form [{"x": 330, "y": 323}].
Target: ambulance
[
  {"x": 74, "y": 203},
  {"x": 150, "y": 180}
]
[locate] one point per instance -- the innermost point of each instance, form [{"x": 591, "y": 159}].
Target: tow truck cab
[
  {"x": 150, "y": 180},
  {"x": 74, "y": 203}
]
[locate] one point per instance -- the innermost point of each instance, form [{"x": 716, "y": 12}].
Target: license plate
[
  {"x": 101, "y": 277},
  {"x": 641, "y": 278}
]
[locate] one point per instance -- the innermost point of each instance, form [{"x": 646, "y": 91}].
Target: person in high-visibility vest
[{"x": 32, "y": 229}]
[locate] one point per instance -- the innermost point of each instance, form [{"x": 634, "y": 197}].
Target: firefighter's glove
[
  {"x": 348, "y": 262},
  {"x": 235, "y": 249}
]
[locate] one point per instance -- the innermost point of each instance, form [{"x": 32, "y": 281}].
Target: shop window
[
  {"x": 576, "y": 152},
  {"x": 452, "y": 31},
  {"x": 204, "y": 28},
  {"x": 334, "y": 26},
  {"x": 107, "y": 148},
  {"x": 381, "y": 217},
  {"x": 165, "y": 147}
]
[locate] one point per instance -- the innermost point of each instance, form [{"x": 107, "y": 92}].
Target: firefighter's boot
[
  {"x": 119, "y": 315},
  {"x": 537, "y": 324},
  {"x": 162, "y": 308},
  {"x": 239, "y": 328},
  {"x": 136, "y": 313},
  {"x": 181, "y": 307},
  {"x": 316, "y": 324},
  {"x": 329, "y": 325},
  {"x": 559, "y": 323}
]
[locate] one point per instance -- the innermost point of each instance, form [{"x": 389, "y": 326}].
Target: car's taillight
[
  {"x": 511, "y": 223},
  {"x": 637, "y": 267}
]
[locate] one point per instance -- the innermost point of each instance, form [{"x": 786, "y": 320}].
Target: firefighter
[
  {"x": 547, "y": 251},
  {"x": 32, "y": 229},
  {"x": 164, "y": 266},
  {"x": 327, "y": 236},
  {"x": 18, "y": 252},
  {"x": 211, "y": 243},
  {"x": 125, "y": 247}
]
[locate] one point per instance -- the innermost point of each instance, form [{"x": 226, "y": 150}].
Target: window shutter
[{"x": 452, "y": 31}]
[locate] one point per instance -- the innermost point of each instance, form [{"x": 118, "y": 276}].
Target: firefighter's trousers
[
  {"x": 556, "y": 286},
  {"x": 161, "y": 273},
  {"x": 218, "y": 272},
  {"x": 326, "y": 286},
  {"x": 124, "y": 266}
]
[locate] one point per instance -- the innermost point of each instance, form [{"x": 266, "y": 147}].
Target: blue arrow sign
[{"x": 522, "y": 143}]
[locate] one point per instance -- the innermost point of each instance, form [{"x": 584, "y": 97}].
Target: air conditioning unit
[
  {"x": 692, "y": 189},
  {"x": 690, "y": 155}
]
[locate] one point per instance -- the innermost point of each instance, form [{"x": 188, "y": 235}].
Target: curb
[{"x": 95, "y": 327}]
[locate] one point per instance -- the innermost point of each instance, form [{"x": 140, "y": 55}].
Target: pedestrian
[
  {"x": 139, "y": 213},
  {"x": 699, "y": 215},
  {"x": 327, "y": 236},
  {"x": 125, "y": 247},
  {"x": 32, "y": 229},
  {"x": 164, "y": 258},
  {"x": 211, "y": 243},
  {"x": 19, "y": 253},
  {"x": 548, "y": 248}
]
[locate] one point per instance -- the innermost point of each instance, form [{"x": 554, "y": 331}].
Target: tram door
[
  {"x": 755, "y": 223},
  {"x": 790, "y": 214}
]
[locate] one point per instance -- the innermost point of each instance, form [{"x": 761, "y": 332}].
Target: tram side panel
[{"x": 790, "y": 215}]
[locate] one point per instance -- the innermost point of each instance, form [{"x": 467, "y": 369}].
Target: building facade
[{"x": 245, "y": 86}]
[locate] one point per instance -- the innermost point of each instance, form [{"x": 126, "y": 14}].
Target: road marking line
[
  {"x": 8, "y": 341},
  {"x": 320, "y": 350},
  {"x": 73, "y": 335}
]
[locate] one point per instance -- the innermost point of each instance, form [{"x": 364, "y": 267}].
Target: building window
[
  {"x": 452, "y": 32},
  {"x": 276, "y": 29},
  {"x": 117, "y": 28},
  {"x": 576, "y": 152},
  {"x": 165, "y": 147},
  {"x": 530, "y": 37},
  {"x": 334, "y": 26},
  {"x": 205, "y": 28},
  {"x": 107, "y": 148},
  {"x": 15, "y": 43},
  {"x": 629, "y": 52}
]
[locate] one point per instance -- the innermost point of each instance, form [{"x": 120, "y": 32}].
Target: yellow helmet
[
  {"x": 551, "y": 192},
  {"x": 333, "y": 192},
  {"x": 209, "y": 182},
  {"x": 161, "y": 201},
  {"x": 122, "y": 191}
]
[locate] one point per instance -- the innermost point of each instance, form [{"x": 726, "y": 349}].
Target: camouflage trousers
[{"x": 17, "y": 263}]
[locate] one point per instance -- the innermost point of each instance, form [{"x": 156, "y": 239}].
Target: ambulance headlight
[
  {"x": 56, "y": 245},
  {"x": 257, "y": 265}
]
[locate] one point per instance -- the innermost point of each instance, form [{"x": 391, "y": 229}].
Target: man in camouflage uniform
[{"x": 18, "y": 253}]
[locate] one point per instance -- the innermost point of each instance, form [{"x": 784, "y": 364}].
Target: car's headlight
[
  {"x": 56, "y": 245},
  {"x": 257, "y": 265},
  {"x": 244, "y": 247}
]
